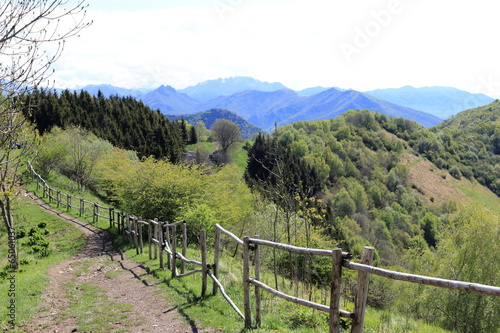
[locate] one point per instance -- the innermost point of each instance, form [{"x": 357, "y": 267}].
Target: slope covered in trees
[
  {"x": 467, "y": 145},
  {"x": 123, "y": 121},
  {"x": 344, "y": 182},
  {"x": 360, "y": 172}
]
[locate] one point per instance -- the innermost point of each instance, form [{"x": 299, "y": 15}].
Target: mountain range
[
  {"x": 442, "y": 102},
  {"x": 268, "y": 104}
]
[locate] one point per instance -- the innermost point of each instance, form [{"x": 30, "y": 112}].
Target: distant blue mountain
[
  {"x": 169, "y": 101},
  {"x": 313, "y": 91},
  {"x": 282, "y": 107},
  {"x": 442, "y": 102},
  {"x": 211, "y": 89},
  {"x": 109, "y": 90},
  {"x": 251, "y": 103}
]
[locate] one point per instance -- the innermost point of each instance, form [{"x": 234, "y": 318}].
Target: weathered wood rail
[{"x": 162, "y": 238}]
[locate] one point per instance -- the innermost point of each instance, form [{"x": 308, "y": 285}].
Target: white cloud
[{"x": 296, "y": 42}]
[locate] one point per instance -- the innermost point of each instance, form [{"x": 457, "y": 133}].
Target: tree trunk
[{"x": 11, "y": 232}]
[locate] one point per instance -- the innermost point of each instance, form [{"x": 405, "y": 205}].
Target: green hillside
[
  {"x": 367, "y": 177},
  {"x": 356, "y": 180},
  {"x": 123, "y": 121}
]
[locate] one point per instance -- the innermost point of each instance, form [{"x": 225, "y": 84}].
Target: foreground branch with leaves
[{"x": 32, "y": 35}]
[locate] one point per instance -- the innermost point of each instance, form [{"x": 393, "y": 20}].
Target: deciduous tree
[
  {"x": 32, "y": 35},
  {"x": 226, "y": 132}
]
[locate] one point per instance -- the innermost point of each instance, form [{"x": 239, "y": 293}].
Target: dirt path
[{"x": 123, "y": 298}]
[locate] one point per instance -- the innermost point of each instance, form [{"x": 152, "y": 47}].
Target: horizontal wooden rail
[
  {"x": 296, "y": 300},
  {"x": 223, "y": 292},
  {"x": 297, "y": 249},
  {"x": 199, "y": 270},
  {"x": 230, "y": 234},
  {"x": 173, "y": 224},
  {"x": 187, "y": 261},
  {"x": 437, "y": 282}
]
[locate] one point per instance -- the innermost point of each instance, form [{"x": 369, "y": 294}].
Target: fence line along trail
[{"x": 118, "y": 280}]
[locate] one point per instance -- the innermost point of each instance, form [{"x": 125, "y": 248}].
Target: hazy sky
[{"x": 362, "y": 44}]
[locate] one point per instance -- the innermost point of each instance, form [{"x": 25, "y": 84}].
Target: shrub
[{"x": 455, "y": 172}]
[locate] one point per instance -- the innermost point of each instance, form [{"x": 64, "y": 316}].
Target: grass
[
  {"x": 481, "y": 194},
  {"x": 64, "y": 242},
  {"x": 239, "y": 156},
  {"x": 213, "y": 311},
  {"x": 206, "y": 146}
]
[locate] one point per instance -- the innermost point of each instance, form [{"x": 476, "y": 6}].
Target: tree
[
  {"x": 226, "y": 132},
  {"x": 467, "y": 250},
  {"x": 202, "y": 134},
  {"x": 32, "y": 35}
]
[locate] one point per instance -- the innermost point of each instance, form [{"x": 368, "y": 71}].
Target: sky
[{"x": 362, "y": 44}]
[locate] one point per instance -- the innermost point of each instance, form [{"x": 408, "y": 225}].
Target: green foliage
[
  {"x": 467, "y": 144},
  {"x": 74, "y": 152},
  {"x": 153, "y": 189},
  {"x": 123, "y": 121},
  {"x": 307, "y": 319},
  {"x": 200, "y": 217},
  {"x": 464, "y": 251},
  {"x": 356, "y": 167}
]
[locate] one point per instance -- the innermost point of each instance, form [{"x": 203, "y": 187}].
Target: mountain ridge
[
  {"x": 283, "y": 105},
  {"x": 440, "y": 101}
]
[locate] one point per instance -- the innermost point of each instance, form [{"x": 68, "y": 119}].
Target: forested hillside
[
  {"x": 346, "y": 182},
  {"x": 358, "y": 166},
  {"x": 361, "y": 179},
  {"x": 123, "y": 121},
  {"x": 468, "y": 144}
]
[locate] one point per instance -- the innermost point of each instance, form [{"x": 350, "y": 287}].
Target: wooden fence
[{"x": 163, "y": 238}]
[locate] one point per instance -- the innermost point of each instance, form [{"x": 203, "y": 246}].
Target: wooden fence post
[
  {"x": 174, "y": 251},
  {"x": 118, "y": 222},
  {"x": 141, "y": 242},
  {"x": 111, "y": 217},
  {"x": 149, "y": 240},
  {"x": 58, "y": 198},
  {"x": 362, "y": 291},
  {"x": 129, "y": 229},
  {"x": 136, "y": 234},
  {"x": 168, "y": 244},
  {"x": 335, "y": 290},
  {"x": 216, "y": 258},
  {"x": 96, "y": 211},
  {"x": 160, "y": 239},
  {"x": 82, "y": 207},
  {"x": 246, "y": 282},
  {"x": 184, "y": 246},
  {"x": 203, "y": 249},
  {"x": 68, "y": 203},
  {"x": 258, "y": 316},
  {"x": 155, "y": 235}
]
